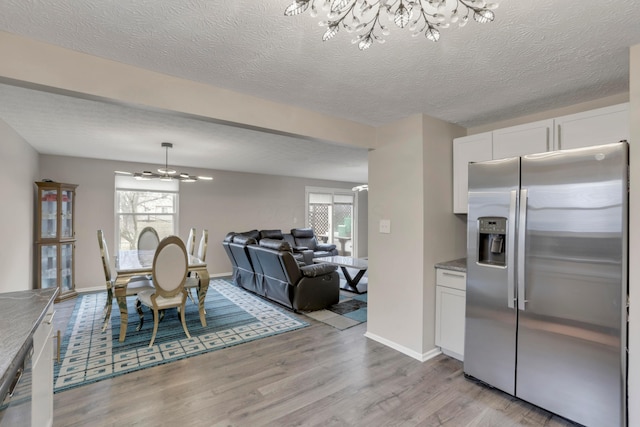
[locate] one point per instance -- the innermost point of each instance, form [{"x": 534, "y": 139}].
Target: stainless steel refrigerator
[{"x": 546, "y": 301}]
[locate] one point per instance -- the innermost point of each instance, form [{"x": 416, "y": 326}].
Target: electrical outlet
[{"x": 385, "y": 226}]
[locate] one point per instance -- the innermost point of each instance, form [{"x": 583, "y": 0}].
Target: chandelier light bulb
[{"x": 419, "y": 16}]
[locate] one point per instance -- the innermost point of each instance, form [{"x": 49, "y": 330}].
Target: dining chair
[
  {"x": 133, "y": 287},
  {"x": 169, "y": 271},
  {"x": 191, "y": 241},
  {"x": 148, "y": 240},
  {"x": 193, "y": 281}
]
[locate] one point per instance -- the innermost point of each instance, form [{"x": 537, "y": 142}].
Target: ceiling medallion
[{"x": 367, "y": 18}]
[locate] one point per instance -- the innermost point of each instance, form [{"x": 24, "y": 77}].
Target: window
[
  {"x": 141, "y": 204},
  {"x": 331, "y": 214}
]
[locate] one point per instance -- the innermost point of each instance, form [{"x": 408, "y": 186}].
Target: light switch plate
[{"x": 385, "y": 226}]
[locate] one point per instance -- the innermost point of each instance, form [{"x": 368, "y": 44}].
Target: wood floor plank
[{"x": 316, "y": 376}]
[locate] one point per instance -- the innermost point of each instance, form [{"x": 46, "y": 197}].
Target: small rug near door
[
  {"x": 350, "y": 311},
  {"x": 233, "y": 317}
]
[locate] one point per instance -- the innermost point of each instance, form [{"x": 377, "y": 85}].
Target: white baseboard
[
  {"x": 102, "y": 288},
  {"x": 422, "y": 357}
]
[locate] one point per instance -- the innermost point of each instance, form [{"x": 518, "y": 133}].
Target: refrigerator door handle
[
  {"x": 511, "y": 250},
  {"x": 522, "y": 226}
]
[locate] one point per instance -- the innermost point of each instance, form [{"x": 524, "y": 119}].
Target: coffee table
[{"x": 345, "y": 262}]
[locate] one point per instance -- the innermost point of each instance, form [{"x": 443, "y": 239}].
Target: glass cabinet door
[
  {"x": 49, "y": 266},
  {"x": 66, "y": 267},
  {"x": 49, "y": 213},
  {"x": 66, "y": 212}
]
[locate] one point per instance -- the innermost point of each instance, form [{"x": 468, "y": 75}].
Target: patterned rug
[
  {"x": 233, "y": 317},
  {"x": 349, "y": 312}
]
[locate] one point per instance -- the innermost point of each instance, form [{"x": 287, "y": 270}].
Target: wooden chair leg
[{"x": 155, "y": 327}]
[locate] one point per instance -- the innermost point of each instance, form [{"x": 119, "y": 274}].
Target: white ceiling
[{"x": 535, "y": 56}]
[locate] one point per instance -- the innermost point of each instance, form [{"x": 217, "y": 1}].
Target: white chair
[
  {"x": 148, "y": 241},
  {"x": 133, "y": 288},
  {"x": 191, "y": 241},
  {"x": 194, "y": 281},
  {"x": 170, "y": 265}
]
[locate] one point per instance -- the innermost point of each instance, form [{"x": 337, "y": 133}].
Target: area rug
[
  {"x": 234, "y": 316},
  {"x": 349, "y": 312}
]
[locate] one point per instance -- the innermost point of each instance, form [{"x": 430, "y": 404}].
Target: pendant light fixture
[{"x": 166, "y": 173}]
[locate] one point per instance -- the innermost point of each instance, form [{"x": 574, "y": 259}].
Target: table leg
[
  {"x": 353, "y": 281},
  {"x": 203, "y": 286},
  {"x": 121, "y": 297}
]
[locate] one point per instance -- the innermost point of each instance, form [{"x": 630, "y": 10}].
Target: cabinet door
[
  {"x": 48, "y": 199},
  {"x": 66, "y": 214},
  {"x": 42, "y": 379},
  {"x": 66, "y": 267},
  {"x": 525, "y": 139},
  {"x": 473, "y": 148},
  {"x": 450, "y": 313},
  {"x": 48, "y": 266},
  {"x": 595, "y": 127}
]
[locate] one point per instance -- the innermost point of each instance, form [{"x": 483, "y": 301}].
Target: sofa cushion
[
  {"x": 278, "y": 245},
  {"x": 315, "y": 270},
  {"x": 271, "y": 234},
  {"x": 229, "y": 237},
  {"x": 302, "y": 232},
  {"x": 243, "y": 239},
  {"x": 255, "y": 234}
]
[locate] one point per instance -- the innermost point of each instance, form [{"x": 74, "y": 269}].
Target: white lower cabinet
[
  {"x": 42, "y": 378},
  {"x": 450, "y": 311}
]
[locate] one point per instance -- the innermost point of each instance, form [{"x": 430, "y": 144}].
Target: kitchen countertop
[
  {"x": 459, "y": 264},
  {"x": 22, "y": 312}
]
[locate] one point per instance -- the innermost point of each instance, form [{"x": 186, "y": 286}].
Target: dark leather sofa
[
  {"x": 268, "y": 268},
  {"x": 304, "y": 238}
]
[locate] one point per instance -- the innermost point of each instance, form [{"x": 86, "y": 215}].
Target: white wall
[
  {"x": 233, "y": 201},
  {"x": 410, "y": 179},
  {"x": 634, "y": 239},
  {"x": 18, "y": 173}
]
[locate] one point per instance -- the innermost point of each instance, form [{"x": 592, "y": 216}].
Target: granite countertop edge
[
  {"x": 459, "y": 264},
  {"x": 25, "y": 311}
]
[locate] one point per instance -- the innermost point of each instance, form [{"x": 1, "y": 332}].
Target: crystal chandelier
[
  {"x": 368, "y": 18},
  {"x": 166, "y": 173}
]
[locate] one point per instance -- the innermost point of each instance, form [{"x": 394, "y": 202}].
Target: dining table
[{"x": 134, "y": 263}]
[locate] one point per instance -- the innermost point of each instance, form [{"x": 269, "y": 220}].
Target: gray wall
[
  {"x": 233, "y": 201},
  {"x": 18, "y": 172}
]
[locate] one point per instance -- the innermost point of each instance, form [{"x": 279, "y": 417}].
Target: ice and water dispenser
[{"x": 492, "y": 240}]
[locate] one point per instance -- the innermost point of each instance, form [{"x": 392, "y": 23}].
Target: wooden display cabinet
[{"x": 56, "y": 238}]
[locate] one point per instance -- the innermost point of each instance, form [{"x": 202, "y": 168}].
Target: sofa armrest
[
  {"x": 328, "y": 247},
  {"x": 316, "y": 270},
  {"x": 300, "y": 248}
]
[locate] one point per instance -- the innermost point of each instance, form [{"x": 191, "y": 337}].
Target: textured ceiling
[{"x": 537, "y": 55}]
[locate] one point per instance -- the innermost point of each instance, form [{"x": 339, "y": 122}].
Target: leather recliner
[
  {"x": 283, "y": 280},
  {"x": 245, "y": 273},
  {"x": 305, "y": 238},
  {"x": 303, "y": 255}
]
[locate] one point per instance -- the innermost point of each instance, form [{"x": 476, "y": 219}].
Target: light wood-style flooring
[{"x": 315, "y": 376}]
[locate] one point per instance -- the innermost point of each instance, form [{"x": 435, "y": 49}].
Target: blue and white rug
[{"x": 234, "y": 316}]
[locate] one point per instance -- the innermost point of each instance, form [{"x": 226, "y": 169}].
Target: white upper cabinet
[
  {"x": 595, "y": 127},
  {"x": 473, "y": 148},
  {"x": 525, "y": 139}
]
